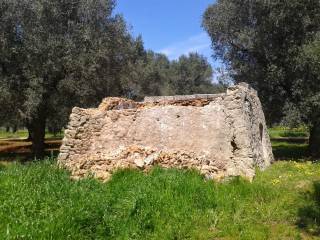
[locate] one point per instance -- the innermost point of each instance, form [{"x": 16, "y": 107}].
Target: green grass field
[
  {"x": 39, "y": 201},
  {"x": 284, "y": 132},
  {"x": 24, "y": 134},
  {"x": 18, "y": 134}
]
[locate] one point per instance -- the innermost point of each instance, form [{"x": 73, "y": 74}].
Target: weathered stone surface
[{"x": 221, "y": 135}]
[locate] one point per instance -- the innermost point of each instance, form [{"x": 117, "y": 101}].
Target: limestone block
[{"x": 221, "y": 135}]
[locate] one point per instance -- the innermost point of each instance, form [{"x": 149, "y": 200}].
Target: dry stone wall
[{"x": 220, "y": 135}]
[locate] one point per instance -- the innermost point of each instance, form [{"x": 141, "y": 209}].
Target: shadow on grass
[
  {"x": 19, "y": 150},
  {"x": 290, "y": 151},
  {"x": 309, "y": 216},
  {"x": 2, "y": 167}
]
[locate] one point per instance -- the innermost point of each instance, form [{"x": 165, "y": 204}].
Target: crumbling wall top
[{"x": 153, "y": 99}]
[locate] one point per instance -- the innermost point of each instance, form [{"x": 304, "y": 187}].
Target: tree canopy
[
  {"x": 273, "y": 46},
  {"x": 57, "y": 54}
]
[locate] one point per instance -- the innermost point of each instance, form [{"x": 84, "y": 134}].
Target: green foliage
[
  {"x": 58, "y": 54},
  {"x": 147, "y": 75},
  {"x": 39, "y": 201},
  {"x": 274, "y": 46},
  {"x": 309, "y": 97},
  {"x": 154, "y": 74},
  {"x": 261, "y": 42},
  {"x": 191, "y": 74}
]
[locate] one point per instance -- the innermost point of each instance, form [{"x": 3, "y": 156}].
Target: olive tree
[
  {"x": 267, "y": 44},
  {"x": 55, "y": 54}
]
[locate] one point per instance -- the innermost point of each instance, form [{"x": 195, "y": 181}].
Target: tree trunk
[
  {"x": 14, "y": 128},
  {"x": 36, "y": 130},
  {"x": 7, "y": 129},
  {"x": 314, "y": 141},
  {"x": 28, "y": 125}
]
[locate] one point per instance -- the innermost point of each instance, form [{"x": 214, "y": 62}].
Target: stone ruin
[{"x": 221, "y": 135}]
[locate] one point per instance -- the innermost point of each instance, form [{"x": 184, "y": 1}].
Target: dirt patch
[{"x": 20, "y": 149}]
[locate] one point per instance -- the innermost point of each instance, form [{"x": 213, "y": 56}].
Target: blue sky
[{"x": 170, "y": 27}]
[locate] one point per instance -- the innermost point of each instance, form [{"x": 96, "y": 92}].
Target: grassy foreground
[{"x": 39, "y": 201}]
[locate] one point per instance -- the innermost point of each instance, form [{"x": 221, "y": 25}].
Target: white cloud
[{"x": 199, "y": 43}]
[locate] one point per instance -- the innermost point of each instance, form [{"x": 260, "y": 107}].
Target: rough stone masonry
[{"x": 221, "y": 135}]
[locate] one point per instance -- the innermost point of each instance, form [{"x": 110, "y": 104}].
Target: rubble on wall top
[
  {"x": 195, "y": 100},
  {"x": 152, "y": 99}
]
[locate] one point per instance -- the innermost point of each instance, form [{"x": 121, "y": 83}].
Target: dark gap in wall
[
  {"x": 261, "y": 131},
  {"x": 234, "y": 145}
]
